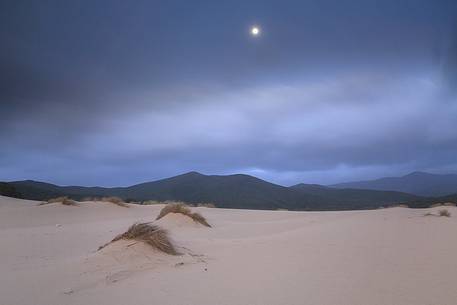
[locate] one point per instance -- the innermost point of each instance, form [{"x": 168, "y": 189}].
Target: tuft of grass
[
  {"x": 179, "y": 207},
  {"x": 441, "y": 213},
  {"x": 57, "y": 199},
  {"x": 150, "y": 234},
  {"x": 116, "y": 200},
  {"x": 68, "y": 201},
  {"x": 63, "y": 200},
  {"x": 444, "y": 213}
]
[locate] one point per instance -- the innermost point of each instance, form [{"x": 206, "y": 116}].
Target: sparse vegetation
[
  {"x": 112, "y": 199},
  {"x": 116, "y": 200},
  {"x": 63, "y": 200},
  {"x": 441, "y": 213},
  {"x": 152, "y": 235},
  {"x": 444, "y": 213},
  {"x": 8, "y": 190},
  {"x": 179, "y": 207}
]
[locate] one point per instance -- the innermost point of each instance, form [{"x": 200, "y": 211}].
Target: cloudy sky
[{"x": 120, "y": 92}]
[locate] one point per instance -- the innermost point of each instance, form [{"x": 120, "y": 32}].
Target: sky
[{"x": 114, "y": 93}]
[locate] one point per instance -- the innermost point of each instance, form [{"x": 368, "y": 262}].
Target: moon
[{"x": 255, "y": 31}]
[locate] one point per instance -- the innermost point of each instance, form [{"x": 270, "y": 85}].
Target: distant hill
[
  {"x": 418, "y": 183},
  {"x": 36, "y": 190},
  {"x": 231, "y": 191},
  {"x": 426, "y": 202},
  {"x": 356, "y": 198},
  {"x": 9, "y": 190}
]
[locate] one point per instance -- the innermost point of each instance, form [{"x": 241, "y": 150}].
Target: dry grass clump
[
  {"x": 63, "y": 200},
  {"x": 179, "y": 207},
  {"x": 116, "y": 200},
  {"x": 444, "y": 213},
  {"x": 152, "y": 235},
  {"x": 68, "y": 201},
  {"x": 112, "y": 199},
  {"x": 441, "y": 213},
  {"x": 57, "y": 199}
]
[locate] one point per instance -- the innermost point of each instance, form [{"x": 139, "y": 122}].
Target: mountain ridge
[
  {"x": 417, "y": 183},
  {"x": 228, "y": 191}
]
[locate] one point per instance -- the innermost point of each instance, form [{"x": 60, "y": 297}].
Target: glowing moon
[{"x": 255, "y": 31}]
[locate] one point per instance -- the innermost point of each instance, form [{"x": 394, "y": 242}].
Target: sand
[{"x": 392, "y": 256}]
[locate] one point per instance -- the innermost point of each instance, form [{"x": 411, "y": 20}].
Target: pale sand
[{"x": 393, "y": 256}]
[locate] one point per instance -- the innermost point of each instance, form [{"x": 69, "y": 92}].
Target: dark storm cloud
[
  {"x": 449, "y": 61},
  {"x": 114, "y": 92}
]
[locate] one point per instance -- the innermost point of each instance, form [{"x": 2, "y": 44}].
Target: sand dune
[{"x": 392, "y": 256}]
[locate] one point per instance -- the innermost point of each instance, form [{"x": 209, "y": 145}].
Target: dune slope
[{"x": 392, "y": 256}]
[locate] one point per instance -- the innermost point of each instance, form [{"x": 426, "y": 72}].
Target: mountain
[
  {"x": 354, "y": 199},
  {"x": 9, "y": 190},
  {"x": 429, "y": 201},
  {"x": 418, "y": 183},
  {"x": 36, "y": 190},
  {"x": 231, "y": 191}
]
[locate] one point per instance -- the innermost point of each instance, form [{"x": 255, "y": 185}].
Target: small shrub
[
  {"x": 441, "y": 213},
  {"x": 176, "y": 207},
  {"x": 68, "y": 201},
  {"x": 116, "y": 200},
  {"x": 179, "y": 207},
  {"x": 444, "y": 213},
  {"x": 57, "y": 199},
  {"x": 63, "y": 200},
  {"x": 152, "y": 235}
]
